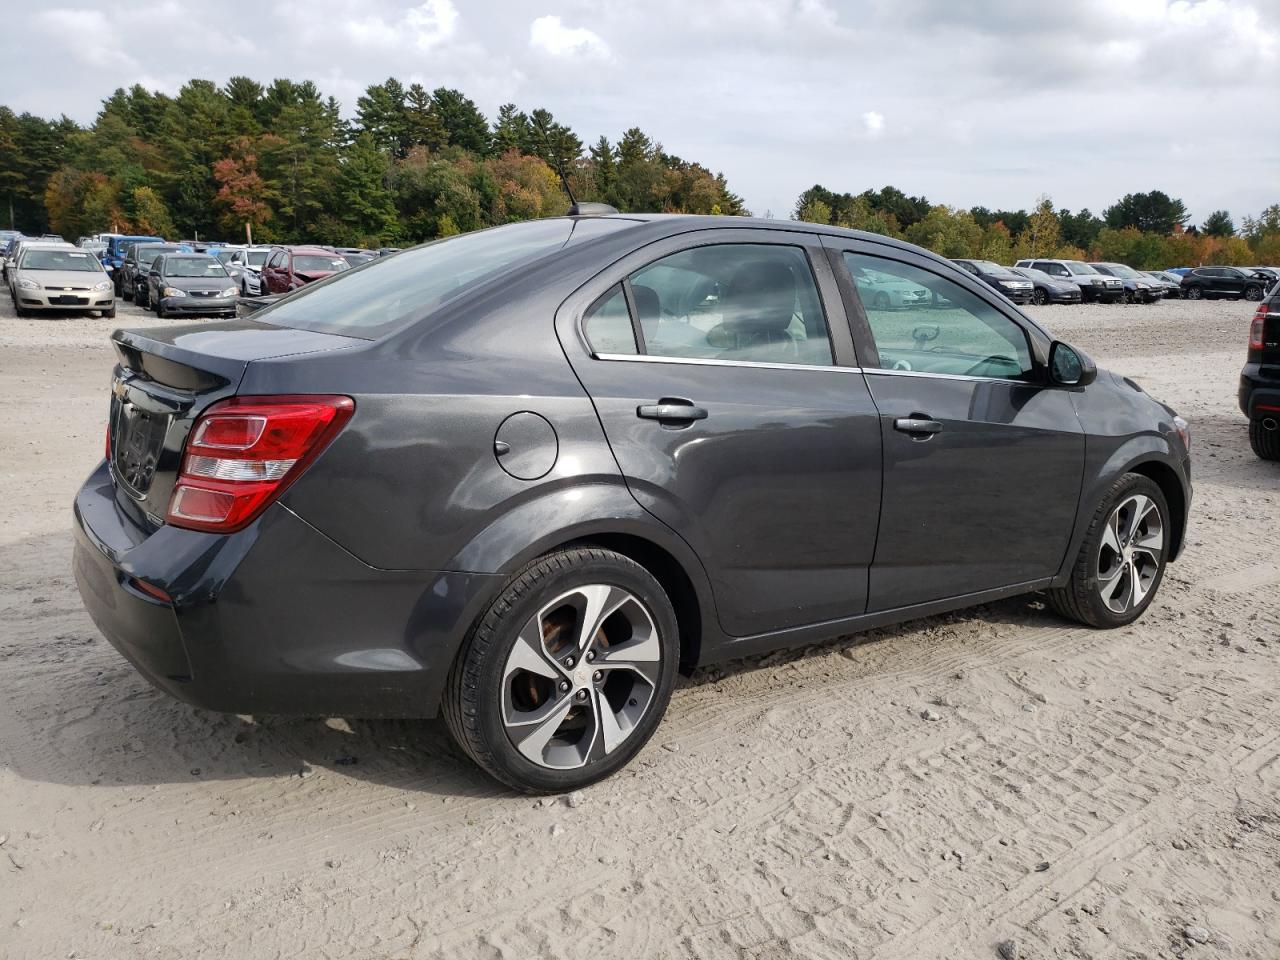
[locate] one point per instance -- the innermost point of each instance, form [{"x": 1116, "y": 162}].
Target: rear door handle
[
  {"x": 672, "y": 410},
  {"x": 917, "y": 425}
]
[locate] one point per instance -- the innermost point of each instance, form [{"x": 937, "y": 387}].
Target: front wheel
[
  {"x": 1253, "y": 292},
  {"x": 160, "y": 311},
  {"x": 1122, "y": 559},
  {"x": 1040, "y": 297},
  {"x": 567, "y": 674},
  {"x": 1194, "y": 293}
]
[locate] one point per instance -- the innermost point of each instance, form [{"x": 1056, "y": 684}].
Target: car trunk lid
[{"x": 164, "y": 379}]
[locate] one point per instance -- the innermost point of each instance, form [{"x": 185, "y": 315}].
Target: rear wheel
[
  {"x": 567, "y": 674},
  {"x": 1264, "y": 437},
  {"x": 1122, "y": 559}
]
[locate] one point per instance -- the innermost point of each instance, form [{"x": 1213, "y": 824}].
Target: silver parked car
[
  {"x": 49, "y": 277},
  {"x": 249, "y": 261}
]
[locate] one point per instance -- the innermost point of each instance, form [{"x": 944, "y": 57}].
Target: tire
[
  {"x": 1253, "y": 293},
  {"x": 109, "y": 314},
  {"x": 1194, "y": 293},
  {"x": 881, "y": 300},
  {"x": 1265, "y": 443},
  {"x": 1039, "y": 298},
  {"x": 1082, "y": 599},
  {"x": 144, "y": 301},
  {"x": 160, "y": 309},
  {"x": 488, "y": 690},
  {"x": 1130, "y": 297}
]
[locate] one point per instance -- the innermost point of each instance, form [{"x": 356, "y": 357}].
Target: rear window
[{"x": 387, "y": 293}]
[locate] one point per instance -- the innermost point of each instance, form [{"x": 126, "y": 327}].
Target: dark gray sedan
[
  {"x": 191, "y": 283},
  {"x": 522, "y": 477}
]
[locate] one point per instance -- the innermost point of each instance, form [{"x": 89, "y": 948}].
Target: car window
[
  {"x": 942, "y": 328},
  {"x": 754, "y": 303},
  {"x": 608, "y": 324}
]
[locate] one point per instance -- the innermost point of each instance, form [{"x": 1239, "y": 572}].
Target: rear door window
[
  {"x": 608, "y": 325},
  {"x": 754, "y": 303}
]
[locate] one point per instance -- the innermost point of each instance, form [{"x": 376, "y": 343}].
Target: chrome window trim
[
  {"x": 950, "y": 376},
  {"x": 710, "y": 362}
]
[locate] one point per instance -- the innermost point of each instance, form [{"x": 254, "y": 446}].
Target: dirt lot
[{"x": 1084, "y": 794}]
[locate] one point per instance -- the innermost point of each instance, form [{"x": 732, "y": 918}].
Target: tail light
[
  {"x": 1255, "y": 328},
  {"x": 244, "y": 452}
]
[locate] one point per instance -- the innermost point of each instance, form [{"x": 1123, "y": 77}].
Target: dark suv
[
  {"x": 1210, "y": 283},
  {"x": 1260, "y": 378},
  {"x": 1013, "y": 285},
  {"x": 524, "y": 476}
]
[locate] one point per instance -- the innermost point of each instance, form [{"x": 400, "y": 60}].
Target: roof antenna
[{"x": 576, "y": 209}]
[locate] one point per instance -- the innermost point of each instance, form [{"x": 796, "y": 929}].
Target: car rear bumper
[
  {"x": 252, "y": 629},
  {"x": 1259, "y": 393}
]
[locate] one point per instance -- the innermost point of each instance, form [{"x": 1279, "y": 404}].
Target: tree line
[
  {"x": 412, "y": 165},
  {"x": 1148, "y": 231}
]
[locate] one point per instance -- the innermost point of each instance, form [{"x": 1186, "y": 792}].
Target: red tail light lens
[
  {"x": 1255, "y": 328},
  {"x": 244, "y": 452}
]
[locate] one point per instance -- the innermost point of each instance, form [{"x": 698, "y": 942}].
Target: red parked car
[{"x": 291, "y": 267}]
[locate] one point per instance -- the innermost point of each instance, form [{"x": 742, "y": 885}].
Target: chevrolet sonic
[{"x": 521, "y": 477}]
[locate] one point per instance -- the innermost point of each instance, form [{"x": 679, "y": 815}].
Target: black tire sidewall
[
  {"x": 503, "y": 622},
  {"x": 1127, "y": 485}
]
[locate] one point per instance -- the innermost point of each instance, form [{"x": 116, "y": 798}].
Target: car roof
[{"x": 319, "y": 251}]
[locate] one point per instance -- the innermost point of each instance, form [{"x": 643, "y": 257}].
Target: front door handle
[
  {"x": 920, "y": 427},
  {"x": 672, "y": 410}
]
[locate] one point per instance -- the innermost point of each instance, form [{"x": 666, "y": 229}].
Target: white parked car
[
  {"x": 57, "y": 276},
  {"x": 249, "y": 261}
]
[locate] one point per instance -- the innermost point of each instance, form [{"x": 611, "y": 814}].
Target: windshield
[
  {"x": 258, "y": 257},
  {"x": 76, "y": 260},
  {"x": 308, "y": 263},
  {"x": 370, "y": 302},
  {"x": 1031, "y": 273},
  {"x": 1080, "y": 269},
  {"x": 147, "y": 255},
  {"x": 996, "y": 270},
  {"x": 224, "y": 256},
  {"x": 1120, "y": 270},
  {"x": 193, "y": 267}
]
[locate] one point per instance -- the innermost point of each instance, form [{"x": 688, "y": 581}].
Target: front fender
[{"x": 1104, "y": 463}]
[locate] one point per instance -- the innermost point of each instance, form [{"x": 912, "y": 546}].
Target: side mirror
[{"x": 1068, "y": 367}]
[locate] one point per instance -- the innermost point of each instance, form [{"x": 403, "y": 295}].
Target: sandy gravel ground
[{"x": 1083, "y": 794}]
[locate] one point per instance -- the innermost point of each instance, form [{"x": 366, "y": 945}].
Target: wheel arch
[
  {"x": 607, "y": 516},
  {"x": 1166, "y": 478},
  {"x": 674, "y": 579}
]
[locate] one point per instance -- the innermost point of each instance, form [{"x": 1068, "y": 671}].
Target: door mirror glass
[{"x": 1069, "y": 367}]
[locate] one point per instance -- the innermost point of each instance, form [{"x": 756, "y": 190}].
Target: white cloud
[
  {"x": 873, "y": 123},
  {"x": 88, "y": 36},
  {"x": 549, "y": 35},
  {"x": 424, "y": 27}
]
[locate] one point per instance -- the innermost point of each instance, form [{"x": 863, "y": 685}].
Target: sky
[{"x": 991, "y": 103}]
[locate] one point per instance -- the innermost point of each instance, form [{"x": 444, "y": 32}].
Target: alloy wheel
[
  {"x": 1131, "y": 553},
  {"x": 1253, "y": 293},
  {"x": 1195, "y": 293},
  {"x": 581, "y": 675}
]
